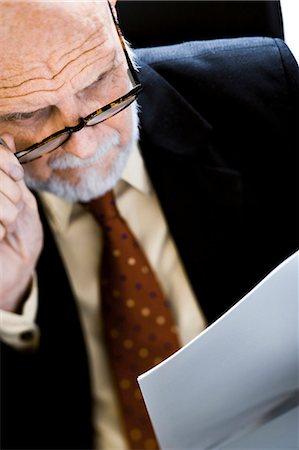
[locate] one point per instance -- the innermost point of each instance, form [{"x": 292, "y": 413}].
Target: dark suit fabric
[{"x": 218, "y": 135}]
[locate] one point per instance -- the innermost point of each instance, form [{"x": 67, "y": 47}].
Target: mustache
[{"x": 69, "y": 161}]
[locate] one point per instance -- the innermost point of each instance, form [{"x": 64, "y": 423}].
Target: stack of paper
[{"x": 236, "y": 385}]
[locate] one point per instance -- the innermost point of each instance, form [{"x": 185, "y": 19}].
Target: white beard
[{"x": 89, "y": 184}]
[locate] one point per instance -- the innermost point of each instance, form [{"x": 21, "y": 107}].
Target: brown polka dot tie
[{"x": 137, "y": 320}]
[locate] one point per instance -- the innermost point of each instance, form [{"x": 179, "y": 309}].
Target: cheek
[
  {"x": 23, "y": 138},
  {"x": 123, "y": 124},
  {"x": 38, "y": 169}
]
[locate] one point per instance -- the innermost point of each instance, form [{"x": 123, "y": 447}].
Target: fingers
[
  {"x": 10, "y": 188},
  {"x": 8, "y": 211},
  {"x": 11, "y": 174},
  {"x": 10, "y": 166},
  {"x": 11, "y": 171},
  {"x": 8, "y": 162},
  {"x": 2, "y": 232}
]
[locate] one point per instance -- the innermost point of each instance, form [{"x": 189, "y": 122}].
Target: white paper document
[{"x": 236, "y": 385}]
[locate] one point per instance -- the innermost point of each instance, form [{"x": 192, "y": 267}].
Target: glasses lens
[
  {"x": 43, "y": 149},
  {"x": 110, "y": 112}
]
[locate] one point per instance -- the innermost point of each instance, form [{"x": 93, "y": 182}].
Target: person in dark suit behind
[{"x": 207, "y": 185}]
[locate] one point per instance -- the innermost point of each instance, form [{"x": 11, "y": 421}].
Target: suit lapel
[
  {"x": 62, "y": 353},
  {"x": 200, "y": 197},
  {"x": 167, "y": 119}
]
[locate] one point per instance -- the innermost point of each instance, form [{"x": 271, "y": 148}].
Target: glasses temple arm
[{"x": 132, "y": 71}]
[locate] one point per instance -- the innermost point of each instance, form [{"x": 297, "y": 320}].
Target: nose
[
  {"x": 82, "y": 143},
  {"x": 69, "y": 111}
]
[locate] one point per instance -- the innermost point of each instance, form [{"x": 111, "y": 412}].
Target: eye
[
  {"x": 28, "y": 117},
  {"x": 18, "y": 116},
  {"x": 102, "y": 78},
  {"x": 97, "y": 88},
  {"x": 24, "y": 116}
]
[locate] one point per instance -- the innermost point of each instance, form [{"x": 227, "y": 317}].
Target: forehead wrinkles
[{"x": 37, "y": 60}]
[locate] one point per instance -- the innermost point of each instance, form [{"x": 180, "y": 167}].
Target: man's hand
[{"x": 20, "y": 229}]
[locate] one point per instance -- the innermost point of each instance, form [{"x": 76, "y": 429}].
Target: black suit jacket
[{"x": 218, "y": 136}]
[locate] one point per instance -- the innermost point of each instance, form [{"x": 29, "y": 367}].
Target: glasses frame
[{"x": 133, "y": 93}]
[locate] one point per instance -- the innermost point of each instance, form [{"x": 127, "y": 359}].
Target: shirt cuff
[{"x": 19, "y": 330}]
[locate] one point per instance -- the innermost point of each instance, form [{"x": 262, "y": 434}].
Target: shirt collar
[
  {"x": 60, "y": 213},
  {"x": 135, "y": 174}
]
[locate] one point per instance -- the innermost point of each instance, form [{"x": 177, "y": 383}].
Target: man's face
[{"x": 60, "y": 62}]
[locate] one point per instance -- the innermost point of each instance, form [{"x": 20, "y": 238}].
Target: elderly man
[{"x": 87, "y": 300}]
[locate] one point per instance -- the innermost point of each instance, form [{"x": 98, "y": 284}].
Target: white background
[{"x": 290, "y": 15}]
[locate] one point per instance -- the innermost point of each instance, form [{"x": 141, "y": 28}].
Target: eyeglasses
[{"x": 55, "y": 140}]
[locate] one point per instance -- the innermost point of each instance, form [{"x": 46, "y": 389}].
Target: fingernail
[
  {"x": 2, "y": 142},
  {"x": 16, "y": 172}
]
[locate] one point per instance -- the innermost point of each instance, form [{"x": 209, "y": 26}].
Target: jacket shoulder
[{"x": 222, "y": 49}]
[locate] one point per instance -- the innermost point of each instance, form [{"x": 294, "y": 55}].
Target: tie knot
[{"x": 104, "y": 208}]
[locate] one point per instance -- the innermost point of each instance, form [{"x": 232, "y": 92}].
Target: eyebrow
[{"x": 18, "y": 115}]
